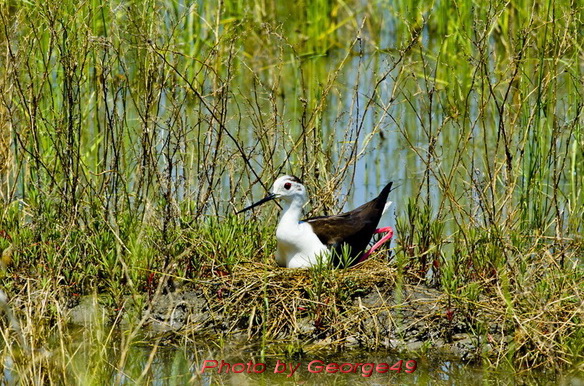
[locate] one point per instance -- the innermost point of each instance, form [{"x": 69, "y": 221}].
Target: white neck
[{"x": 291, "y": 210}]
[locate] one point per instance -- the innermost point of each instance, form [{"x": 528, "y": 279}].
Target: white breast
[{"x": 298, "y": 245}]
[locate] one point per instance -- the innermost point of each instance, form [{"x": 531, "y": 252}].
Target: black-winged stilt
[{"x": 304, "y": 243}]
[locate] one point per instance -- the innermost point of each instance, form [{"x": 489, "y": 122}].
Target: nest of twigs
[
  {"x": 312, "y": 308},
  {"x": 283, "y": 303}
]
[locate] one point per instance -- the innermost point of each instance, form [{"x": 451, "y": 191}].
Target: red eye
[{"x": 287, "y": 185}]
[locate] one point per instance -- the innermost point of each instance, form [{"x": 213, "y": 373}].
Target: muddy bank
[{"x": 360, "y": 308}]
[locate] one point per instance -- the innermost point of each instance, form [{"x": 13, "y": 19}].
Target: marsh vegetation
[{"x": 131, "y": 132}]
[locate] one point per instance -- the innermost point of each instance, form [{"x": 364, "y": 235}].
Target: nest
[
  {"x": 306, "y": 310},
  {"x": 291, "y": 305}
]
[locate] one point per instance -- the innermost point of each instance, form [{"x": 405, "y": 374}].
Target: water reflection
[
  {"x": 78, "y": 358},
  {"x": 183, "y": 366}
]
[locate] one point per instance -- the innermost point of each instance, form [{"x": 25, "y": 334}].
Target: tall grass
[{"x": 131, "y": 131}]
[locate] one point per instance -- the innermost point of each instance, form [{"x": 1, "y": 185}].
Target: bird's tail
[{"x": 385, "y": 192}]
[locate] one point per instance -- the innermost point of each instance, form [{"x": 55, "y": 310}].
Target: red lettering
[
  {"x": 411, "y": 366},
  {"x": 315, "y": 366},
  {"x": 366, "y": 369},
  {"x": 382, "y": 368},
  {"x": 206, "y": 366},
  {"x": 280, "y": 367},
  {"x": 351, "y": 367},
  {"x": 262, "y": 368},
  {"x": 397, "y": 366},
  {"x": 367, "y": 373},
  {"x": 223, "y": 363}
]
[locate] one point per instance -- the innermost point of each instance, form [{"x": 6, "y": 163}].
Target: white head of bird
[
  {"x": 298, "y": 246},
  {"x": 290, "y": 191}
]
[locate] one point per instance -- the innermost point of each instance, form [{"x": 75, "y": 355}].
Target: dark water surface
[{"x": 180, "y": 366}]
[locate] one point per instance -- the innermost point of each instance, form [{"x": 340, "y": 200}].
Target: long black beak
[{"x": 269, "y": 197}]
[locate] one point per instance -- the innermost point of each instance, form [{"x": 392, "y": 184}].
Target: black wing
[{"x": 354, "y": 228}]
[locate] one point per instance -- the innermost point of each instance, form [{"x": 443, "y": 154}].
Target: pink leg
[{"x": 388, "y": 235}]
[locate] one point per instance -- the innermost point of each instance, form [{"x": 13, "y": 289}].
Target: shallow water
[
  {"x": 202, "y": 362},
  {"x": 185, "y": 365}
]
